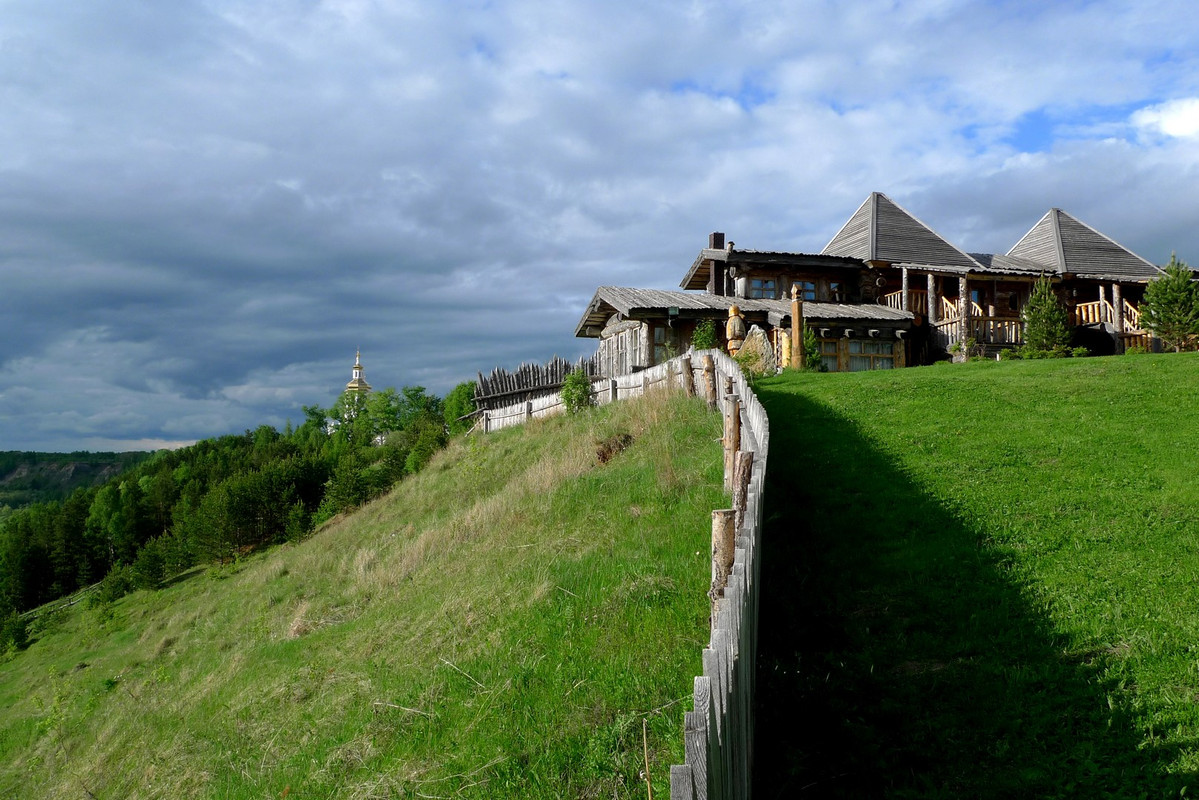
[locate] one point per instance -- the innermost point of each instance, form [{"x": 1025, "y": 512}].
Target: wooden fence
[
  {"x": 718, "y": 732},
  {"x": 527, "y": 382}
]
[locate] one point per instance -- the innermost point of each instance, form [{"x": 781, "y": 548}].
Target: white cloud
[{"x": 1177, "y": 118}]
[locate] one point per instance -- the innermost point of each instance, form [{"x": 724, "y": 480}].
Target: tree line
[{"x": 218, "y": 499}]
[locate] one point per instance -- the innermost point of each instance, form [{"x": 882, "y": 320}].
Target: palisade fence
[{"x": 718, "y": 732}]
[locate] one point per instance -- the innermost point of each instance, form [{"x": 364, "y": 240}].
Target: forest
[{"x": 218, "y": 499}]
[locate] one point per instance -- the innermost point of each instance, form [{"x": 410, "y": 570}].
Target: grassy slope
[
  {"x": 498, "y": 626},
  {"x": 982, "y": 580}
]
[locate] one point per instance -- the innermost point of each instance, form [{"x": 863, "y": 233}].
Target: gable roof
[
  {"x": 697, "y": 275},
  {"x": 1064, "y": 245},
  {"x": 880, "y": 230}
]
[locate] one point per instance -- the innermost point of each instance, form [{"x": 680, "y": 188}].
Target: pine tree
[
  {"x": 1046, "y": 329},
  {"x": 1171, "y": 306}
]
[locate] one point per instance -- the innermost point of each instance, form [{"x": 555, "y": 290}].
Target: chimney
[{"x": 716, "y": 241}]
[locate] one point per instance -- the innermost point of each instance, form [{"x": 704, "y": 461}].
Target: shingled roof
[
  {"x": 1065, "y": 245},
  {"x": 880, "y": 230},
  {"x": 644, "y": 303}
]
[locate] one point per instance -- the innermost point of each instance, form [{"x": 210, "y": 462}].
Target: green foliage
[
  {"x": 811, "y": 349},
  {"x": 576, "y": 391},
  {"x": 13, "y": 632},
  {"x": 459, "y": 403},
  {"x": 704, "y": 336},
  {"x": 1006, "y": 574},
  {"x": 1171, "y": 306},
  {"x": 1046, "y": 323}
]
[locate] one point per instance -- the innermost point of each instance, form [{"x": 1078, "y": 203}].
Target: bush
[
  {"x": 811, "y": 351},
  {"x": 576, "y": 391},
  {"x": 704, "y": 335}
]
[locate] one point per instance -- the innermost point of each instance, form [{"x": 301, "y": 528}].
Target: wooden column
[
  {"x": 1118, "y": 306},
  {"x": 964, "y": 306},
  {"x": 903, "y": 284},
  {"x": 1102, "y": 300},
  {"x": 688, "y": 376},
  {"x": 798, "y": 355},
  {"x": 932, "y": 300}
]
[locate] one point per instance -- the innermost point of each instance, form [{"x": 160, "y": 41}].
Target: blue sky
[{"x": 207, "y": 206}]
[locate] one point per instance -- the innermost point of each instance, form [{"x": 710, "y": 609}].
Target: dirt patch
[{"x": 610, "y": 448}]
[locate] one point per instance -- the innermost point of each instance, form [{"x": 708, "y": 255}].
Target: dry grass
[{"x": 465, "y": 633}]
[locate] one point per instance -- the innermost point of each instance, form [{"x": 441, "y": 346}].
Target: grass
[
  {"x": 982, "y": 580},
  {"x": 501, "y": 625}
]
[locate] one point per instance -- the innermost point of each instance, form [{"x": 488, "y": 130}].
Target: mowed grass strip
[
  {"x": 982, "y": 580},
  {"x": 505, "y": 624}
]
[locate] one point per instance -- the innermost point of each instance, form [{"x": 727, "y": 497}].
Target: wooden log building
[{"x": 886, "y": 291}]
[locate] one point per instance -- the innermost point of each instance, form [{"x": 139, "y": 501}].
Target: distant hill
[{"x": 27, "y": 478}]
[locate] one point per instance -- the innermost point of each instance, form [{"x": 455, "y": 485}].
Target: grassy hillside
[
  {"x": 500, "y": 625},
  {"x": 982, "y": 580}
]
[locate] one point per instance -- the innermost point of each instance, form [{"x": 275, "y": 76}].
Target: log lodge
[{"x": 886, "y": 291}]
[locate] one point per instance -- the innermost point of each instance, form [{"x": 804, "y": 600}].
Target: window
[
  {"x": 762, "y": 288},
  {"x": 807, "y": 289},
  {"x": 828, "y": 354},
  {"x": 836, "y": 291},
  {"x": 661, "y": 344},
  {"x": 867, "y": 354}
]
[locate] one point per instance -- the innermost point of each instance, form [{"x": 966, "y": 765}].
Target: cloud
[
  {"x": 1176, "y": 118},
  {"x": 206, "y": 207}
]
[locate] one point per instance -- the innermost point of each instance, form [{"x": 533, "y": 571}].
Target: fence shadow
[{"x": 897, "y": 658}]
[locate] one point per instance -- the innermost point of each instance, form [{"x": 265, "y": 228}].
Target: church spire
[{"x": 358, "y": 382}]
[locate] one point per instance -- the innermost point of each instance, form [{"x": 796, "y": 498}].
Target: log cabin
[{"x": 886, "y": 291}]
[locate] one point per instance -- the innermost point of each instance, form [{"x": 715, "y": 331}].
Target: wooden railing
[
  {"x": 996, "y": 330},
  {"x": 949, "y": 310},
  {"x": 1095, "y": 312},
  {"x": 917, "y": 301},
  {"x": 1132, "y": 317}
]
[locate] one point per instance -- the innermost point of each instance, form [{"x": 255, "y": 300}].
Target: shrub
[
  {"x": 1136, "y": 350},
  {"x": 576, "y": 391},
  {"x": 704, "y": 335},
  {"x": 811, "y": 351}
]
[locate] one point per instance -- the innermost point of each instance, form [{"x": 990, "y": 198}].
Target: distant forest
[
  {"x": 28, "y": 478},
  {"x": 217, "y": 499}
]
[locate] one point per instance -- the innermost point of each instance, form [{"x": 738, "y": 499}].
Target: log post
[
  {"x": 742, "y": 471},
  {"x": 1118, "y": 310},
  {"x": 932, "y": 299},
  {"x": 732, "y": 436},
  {"x": 644, "y": 384},
  {"x": 724, "y": 538},
  {"x": 528, "y": 410},
  {"x": 710, "y": 381},
  {"x": 964, "y": 303},
  {"x": 612, "y": 389},
  {"x": 688, "y": 376}
]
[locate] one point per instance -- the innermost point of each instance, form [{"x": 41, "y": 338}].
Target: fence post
[
  {"x": 644, "y": 384},
  {"x": 742, "y": 471},
  {"x": 732, "y": 436},
  {"x": 613, "y": 388},
  {"x": 688, "y": 377},
  {"x": 710, "y": 380},
  {"x": 724, "y": 543}
]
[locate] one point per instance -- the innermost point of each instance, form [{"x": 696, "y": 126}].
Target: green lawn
[
  {"x": 502, "y": 625},
  {"x": 982, "y": 580}
]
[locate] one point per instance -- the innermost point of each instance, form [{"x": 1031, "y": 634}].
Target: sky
[{"x": 206, "y": 207}]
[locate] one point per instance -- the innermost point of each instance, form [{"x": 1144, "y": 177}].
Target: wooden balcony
[
  {"x": 917, "y": 301},
  {"x": 1101, "y": 311}
]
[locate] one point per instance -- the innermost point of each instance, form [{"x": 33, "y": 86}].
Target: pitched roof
[
  {"x": 636, "y": 303},
  {"x": 1063, "y": 245},
  {"x": 697, "y": 275},
  {"x": 880, "y": 230}
]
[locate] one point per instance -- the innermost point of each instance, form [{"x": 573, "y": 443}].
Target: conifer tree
[
  {"x": 1046, "y": 329},
  {"x": 1171, "y": 306}
]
